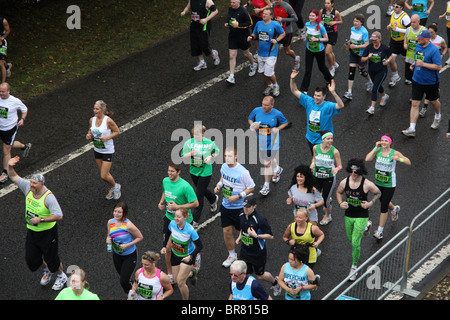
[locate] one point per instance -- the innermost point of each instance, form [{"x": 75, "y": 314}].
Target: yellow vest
[
  {"x": 305, "y": 238},
  {"x": 35, "y": 207},
  {"x": 395, "y": 35}
]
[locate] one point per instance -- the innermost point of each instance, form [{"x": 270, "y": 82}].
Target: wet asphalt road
[{"x": 58, "y": 121}]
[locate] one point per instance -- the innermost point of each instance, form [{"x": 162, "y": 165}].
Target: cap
[
  {"x": 38, "y": 177},
  {"x": 375, "y": 35},
  {"x": 249, "y": 201},
  {"x": 424, "y": 34}
]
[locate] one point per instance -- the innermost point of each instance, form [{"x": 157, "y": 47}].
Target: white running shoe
[
  {"x": 253, "y": 69},
  {"x": 336, "y": 65},
  {"x": 215, "y": 56},
  {"x": 367, "y": 230},
  {"x": 326, "y": 220},
  {"x": 276, "y": 90},
  {"x": 371, "y": 110},
  {"x": 394, "y": 80},
  {"x": 297, "y": 63},
  {"x": 435, "y": 123},
  {"x": 378, "y": 234},
  {"x": 353, "y": 277},
  {"x": 46, "y": 277},
  {"x": 201, "y": 65},
  {"x": 264, "y": 190},
  {"x": 267, "y": 91},
  {"x": 422, "y": 112},
  {"x": 276, "y": 175},
  {"x": 8, "y": 70},
  {"x": 26, "y": 151},
  {"x": 332, "y": 71},
  {"x": 394, "y": 213},
  {"x": 276, "y": 288},
  {"x": 231, "y": 79},
  {"x": 116, "y": 191},
  {"x": 409, "y": 132},
  {"x": 348, "y": 95},
  {"x": 227, "y": 263},
  {"x": 448, "y": 61},
  {"x": 384, "y": 100},
  {"x": 60, "y": 281},
  {"x": 213, "y": 207},
  {"x": 369, "y": 86}
]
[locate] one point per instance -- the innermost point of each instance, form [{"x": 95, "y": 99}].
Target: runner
[
  {"x": 236, "y": 184},
  {"x": 244, "y": 286},
  {"x": 150, "y": 282},
  {"x": 9, "y": 125},
  {"x": 426, "y": 80},
  {"x": 409, "y": 44},
  {"x": 446, "y": 15},
  {"x": 326, "y": 163},
  {"x": 398, "y": 23},
  {"x": 285, "y": 15},
  {"x": 331, "y": 18},
  {"x": 255, "y": 230},
  {"x": 201, "y": 151},
  {"x": 316, "y": 35},
  {"x": 122, "y": 237},
  {"x": 303, "y": 234},
  {"x": 422, "y": 8},
  {"x": 102, "y": 131},
  {"x": 318, "y": 111},
  {"x": 385, "y": 178},
  {"x": 256, "y": 8},
  {"x": 185, "y": 244},
  {"x": 268, "y": 121},
  {"x": 297, "y": 278},
  {"x": 303, "y": 194},
  {"x": 378, "y": 56},
  {"x": 239, "y": 23},
  {"x": 79, "y": 288},
  {"x": 42, "y": 211},
  {"x": 202, "y": 12},
  {"x": 269, "y": 33},
  {"x": 177, "y": 193},
  {"x": 351, "y": 195},
  {"x": 359, "y": 40}
]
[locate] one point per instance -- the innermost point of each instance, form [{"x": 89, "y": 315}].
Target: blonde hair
[
  {"x": 82, "y": 274},
  {"x": 151, "y": 256},
  {"x": 104, "y": 107}
]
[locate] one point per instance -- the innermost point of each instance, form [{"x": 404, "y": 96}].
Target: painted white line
[{"x": 356, "y": 7}]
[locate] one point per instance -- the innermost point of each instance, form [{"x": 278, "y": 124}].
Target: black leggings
[
  {"x": 309, "y": 59},
  {"x": 201, "y": 190},
  {"x": 125, "y": 266},
  {"x": 297, "y": 5},
  {"x": 377, "y": 79}
]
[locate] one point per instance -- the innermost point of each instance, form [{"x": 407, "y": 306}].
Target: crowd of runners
[{"x": 266, "y": 24}]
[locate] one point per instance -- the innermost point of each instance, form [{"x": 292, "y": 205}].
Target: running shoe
[
  {"x": 3, "y": 177},
  {"x": 26, "y": 151},
  {"x": 276, "y": 90},
  {"x": 332, "y": 71},
  {"x": 422, "y": 112},
  {"x": 8, "y": 69},
  {"x": 227, "y": 263},
  {"x": 215, "y": 56},
  {"x": 255, "y": 57},
  {"x": 264, "y": 190},
  {"x": 394, "y": 80},
  {"x": 231, "y": 79},
  {"x": 267, "y": 91},
  {"x": 213, "y": 207},
  {"x": 408, "y": 82},
  {"x": 448, "y": 61},
  {"x": 370, "y": 110},
  {"x": 369, "y": 86},
  {"x": 276, "y": 288},
  {"x": 394, "y": 213},
  {"x": 110, "y": 194},
  {"x": 116, "y": 191},
  {"x": 353, "y": 273},
  {"x": 409, "y": 132},
  {"x": 367, "y": 230},
  {"x": 384, "y": 100},
  {"x": 326, "y": 220},
  {"x": 60, "y": 281},
  {"x": 336, "y": 65},
  {"x": 435, "y": 123},
  {"x": 378, "y": 234},
  {"x": 317, "y": 279},
  {"x": 297, "y": 63},
  {"x": 195, "y": 225},
  {"x": 46, "y": 277},
  {"x": 201, "y": 65},
  {"x": 348, "y": 95},
  {"x": 253, "y": 69},
  {"x": 276, "y": 175}
]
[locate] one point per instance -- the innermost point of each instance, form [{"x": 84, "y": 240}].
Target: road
[{"x": 154, "y": 93}]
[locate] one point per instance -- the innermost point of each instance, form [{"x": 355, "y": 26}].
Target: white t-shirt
[{"x": 8, "y": 112}]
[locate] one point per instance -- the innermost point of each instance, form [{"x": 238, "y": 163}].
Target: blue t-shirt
[
  {"x": 235, "y": 180},
  {"x": 358, "y": 37},
  {"x": 318, "y": 117},
  {"x": 420, "y": 7},
  {"x": 182, "y": 239},
  {"x": 311, "y": 31},
  {"x": 428, "y": 54},
  {"x": 266, "y": 32},
  {"x": 267, "y": 140}
]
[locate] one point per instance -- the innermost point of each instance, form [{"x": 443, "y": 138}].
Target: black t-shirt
[{"x": 378, "y": 57}]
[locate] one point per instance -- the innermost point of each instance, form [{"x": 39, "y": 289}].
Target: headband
[
  {"x": 387, "y": 138},
  {"x": 327, "y": 134}
]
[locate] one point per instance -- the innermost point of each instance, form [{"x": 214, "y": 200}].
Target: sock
[
  {"x": 232, "y": 253},
  {"x": 437, "y": 115},
  {"x": 394, "y": 74},
  {"x": 380, "y": 229},
  {"x": 266, "y": 184},
  {"x": 412, "y": 126}
]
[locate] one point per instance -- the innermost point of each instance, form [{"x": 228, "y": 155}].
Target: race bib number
[
  {"x": 264, "y": 129},
  {"x": 263, "y": 36},
  {"x": 227, "y": 191},
  {"x": 98, "y": 143},
  {"x": 3, "y": 112},
  {"x": 145, "y": 290}
]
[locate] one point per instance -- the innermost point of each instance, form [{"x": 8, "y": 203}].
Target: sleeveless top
[
  {"x": 245, "y": 293},
  {"x": 395, "y": 35},
  {"x": 35, "y": 207},
  {"x": 354, "y": 197},
  {"x": 411, "y": 42},
  {"x": 305, "y": 238},
  {"x": 324, "y": 163},
  {"x": 296, "y": 278},
  {"x": 327, "y": 18},
  {"x": 149, "y": 288},
  {"x": 119, "y": 235},
  {"x": 106, "y": 147},
  {"x": 385, "y": 170}
]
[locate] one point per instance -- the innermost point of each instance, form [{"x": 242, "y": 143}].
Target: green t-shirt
[
  {"x": 180, "y": 192},
  {"x": 68, "y": 294},
  {"x": 203, "y": 149}
]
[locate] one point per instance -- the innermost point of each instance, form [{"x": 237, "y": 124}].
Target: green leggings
[{"x": 354, "y": 228}]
